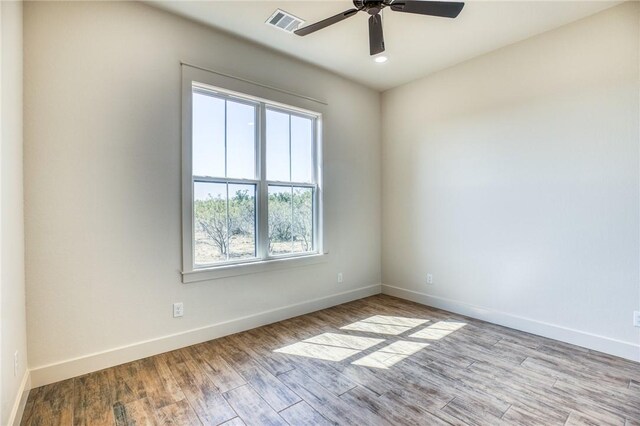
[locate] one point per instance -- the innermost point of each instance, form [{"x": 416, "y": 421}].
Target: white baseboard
[
  {"x": 21, "y": 400},
  {"x": 596, "y": 342},
  {"x": 67, "y": 369}
]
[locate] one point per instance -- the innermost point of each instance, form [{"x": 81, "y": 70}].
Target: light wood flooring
[{"x": 376, "y": 361}]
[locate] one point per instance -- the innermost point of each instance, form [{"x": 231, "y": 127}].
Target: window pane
[
  {"x": 278, "y": 146},
  {"x": 301, "y": 149},
  {"x": 241, "y": 145},
  {"x": 280, "y": 226},
  {"x": 302, "y": 220},
  {"x": 242, "y": 221},
  {"x": 208, "y": 135},
  {"x": 210, "y": 222}
]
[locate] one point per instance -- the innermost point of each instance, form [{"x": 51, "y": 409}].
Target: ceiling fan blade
[
  {"x": 445, "y": 9},
  {"x": 325, "y": 22},
  {"x": 376, "y": 39}
]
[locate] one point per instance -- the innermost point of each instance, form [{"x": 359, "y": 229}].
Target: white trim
[
  {"x": 187, "y": 174},
  {"x": 253, "y": 267},
  {"x": 255, "y": 83},
  {"x": 263, "y": 98},
  {"x": 628, "y": 350},
  {"x": 21, "y": 400},
  {"x": 74, "y": 367}
]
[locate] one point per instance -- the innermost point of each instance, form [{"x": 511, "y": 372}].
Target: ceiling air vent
[{"x": 284, "y": 21}]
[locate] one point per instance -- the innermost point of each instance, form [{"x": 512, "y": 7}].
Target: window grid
[{"x": 261, "y": 184}]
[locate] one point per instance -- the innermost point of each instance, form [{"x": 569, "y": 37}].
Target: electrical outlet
[
  {"x": 16, "y": 364},
  {"x": 178, "y": 309},
  {"x": 636, "y": 318},
  {"x": 340, "y": 279},
  {"x": 429, "y": 279}
]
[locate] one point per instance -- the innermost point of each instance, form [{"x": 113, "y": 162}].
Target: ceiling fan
[{"x": 376, "y": 40}]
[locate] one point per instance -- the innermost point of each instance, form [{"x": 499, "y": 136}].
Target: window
[
  {"x": 253, "y": 170},
  {"x": 290, "y": 178},
  {"x": 225, "y": 180}
]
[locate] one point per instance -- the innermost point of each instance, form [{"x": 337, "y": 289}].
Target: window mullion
[
  {"x": 315, "y": 152},
  {"x": 263, "y": 188},
  {"x": 206, "y": 179},
  {"x": 296, "y": 184},
  {"x": 226, "y": 171},
  {"x": 226, "y": 151},
  {"x": 228, "y": 248},
  {"x": 290, "y": 159},
  {"x": 290, "y": 179}
]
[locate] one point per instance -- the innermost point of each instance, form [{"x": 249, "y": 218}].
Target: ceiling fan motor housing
[{"x": 372, "y": 7}]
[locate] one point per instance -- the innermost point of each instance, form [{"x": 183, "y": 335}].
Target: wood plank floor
[{"x": 376, "y": 361}]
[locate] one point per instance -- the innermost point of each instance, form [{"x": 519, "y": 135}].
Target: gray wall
[
  {"x": 13, "y": 331},
  {"x": 102, "y": 180},
  {"x": 513, "y": 178}
]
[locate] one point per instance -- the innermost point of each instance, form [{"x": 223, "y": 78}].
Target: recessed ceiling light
[{"x": 381, "y": 59}]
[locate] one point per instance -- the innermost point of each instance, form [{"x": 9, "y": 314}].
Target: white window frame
[{"x": 238, "y": 90}]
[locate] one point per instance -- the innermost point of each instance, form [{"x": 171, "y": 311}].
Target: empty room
[{"x": 278, "y": 212}]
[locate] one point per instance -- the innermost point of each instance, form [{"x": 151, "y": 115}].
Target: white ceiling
[{"x": 416, "y": 45}]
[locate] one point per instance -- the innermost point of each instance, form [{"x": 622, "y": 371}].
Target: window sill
[{"x": 225, "y": 271}]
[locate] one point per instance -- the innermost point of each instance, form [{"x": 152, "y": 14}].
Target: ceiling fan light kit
[{"x": 443, "y": 9}]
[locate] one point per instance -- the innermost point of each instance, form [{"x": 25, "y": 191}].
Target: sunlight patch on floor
[
  {"x": 391, "y": 320},
  {"x": 390, "y": 354},
  {"x": 338, "y": 347},
  {"x": 384, "y": 324},
  {"x": 330, "y": 346},
  {"x": 311, "y": 350},
  {"x": 438, "y": 330},
  {"x": 344, "y": 341}
]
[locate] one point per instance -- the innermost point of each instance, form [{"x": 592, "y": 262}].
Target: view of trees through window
[
  {"x": 226, "y": 182},
  {"x": 290, "y": 220},
  {"x": 224, "y": 226}
]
